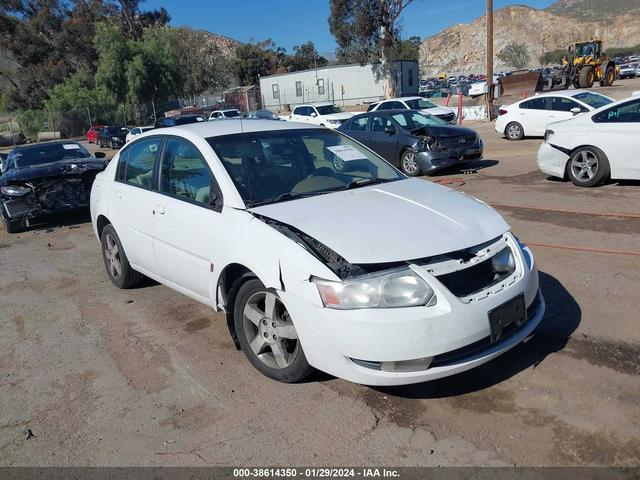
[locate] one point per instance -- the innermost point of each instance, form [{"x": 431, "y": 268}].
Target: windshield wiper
[
  {"x": 359, "y": 182},
  {"x": 286, "y": 196}
]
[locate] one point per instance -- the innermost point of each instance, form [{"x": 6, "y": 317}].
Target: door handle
[{"x": 159, "y": 209}]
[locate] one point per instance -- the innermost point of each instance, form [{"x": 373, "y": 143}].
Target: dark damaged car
[
  {"x": 417, "y": 143},
  {"x": 47, "y": 178}
]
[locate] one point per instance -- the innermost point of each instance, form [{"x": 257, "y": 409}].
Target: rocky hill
[{"x": 461, "y": 48}]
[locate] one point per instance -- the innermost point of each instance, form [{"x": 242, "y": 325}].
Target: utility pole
[
  {"x": 153, "y": 105},
  {"x": 490, "y": 59},
  {"x": 89, "y": 113}
]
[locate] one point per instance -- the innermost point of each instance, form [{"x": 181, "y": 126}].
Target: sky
[{"x": 293, "y": 22}]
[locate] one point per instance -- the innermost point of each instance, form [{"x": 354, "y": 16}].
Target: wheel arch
[
  {"x": 230, "y": 280},
  {"x": 574, "y": 150},
  {"x": 101, "y": 222}
]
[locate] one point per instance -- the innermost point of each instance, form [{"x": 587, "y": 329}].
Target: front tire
[
  {"x": 116, "y": 262},
  {"x": 609, "y": 77},
  {"x": 586, "y": 77},
  {"x": 267, "y": 335},
  {"x": 408, "y": 163},
  {"x": 588, "y": 167},
  {"x": 514, "y": 131}
]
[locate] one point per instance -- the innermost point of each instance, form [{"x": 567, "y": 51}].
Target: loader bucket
[{"x": 521, "y": 82}]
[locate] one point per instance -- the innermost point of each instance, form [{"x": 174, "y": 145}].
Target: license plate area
[{"x": 507, "y": 317}]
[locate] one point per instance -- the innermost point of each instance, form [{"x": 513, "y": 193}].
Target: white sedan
[
  {"x": 529, "y": 117},
  {"x": 594, "y": 147},
  {"x": 415, "y": 103},
  {"x": 325, "y": 114},
  {"x": 135, "y": 131},
  {"x": 299, "y": 234}
]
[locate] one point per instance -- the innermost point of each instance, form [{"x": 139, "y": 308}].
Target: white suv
[
  {"x": 325, "y": 114},
  {"x": 299, "y": 234}
]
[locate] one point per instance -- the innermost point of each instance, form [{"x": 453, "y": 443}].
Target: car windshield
[
  {"x": 274, "y": 166},
  {"x": 46, "y": 153},
  {"x": 419, "y": 104},
  {"x": 232, "y": 113},
  {"x": 190, "y": 119},
  {"x": 329, "y": 109},
  {"x": 594, "y": 100},
  {"x": 413, "y": 120}
]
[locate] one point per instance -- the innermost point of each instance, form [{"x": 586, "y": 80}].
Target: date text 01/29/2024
[{"x": 315, "y": 473}]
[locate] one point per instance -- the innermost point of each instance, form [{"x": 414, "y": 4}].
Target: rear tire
[
  {"x": 609, "y": 77},
  {"x": 116, "y": 262},
  {"x": 267, "y": 335},
  {"x": 588, "y": 167},
  {"x": 586, "y": 77},
  {"x": 514, "y": 131}
]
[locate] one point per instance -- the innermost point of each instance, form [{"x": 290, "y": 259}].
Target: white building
[{"x": 340, "y": 84}]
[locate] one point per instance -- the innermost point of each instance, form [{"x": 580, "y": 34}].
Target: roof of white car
[
  {"x": 561, "y": 93},
  {"x": 319, "y": 104},
  {"x": 230, "y": 126},
  {"x": 402, "y": 98}
]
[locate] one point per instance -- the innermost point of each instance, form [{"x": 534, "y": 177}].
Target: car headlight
[
  {"x": 432, "y": 144},
  {"x": 503, "y": 261},
  {"x": 401, "y": 287},
  {"x": 14, "y": 190},
  {"x": 548, "y": 134}
]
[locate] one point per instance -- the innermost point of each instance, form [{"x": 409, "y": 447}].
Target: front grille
[
  {"x": 467, "y": 351},
  {"x": 473, "y": 279},
  {"x": 461, "y": 142}
]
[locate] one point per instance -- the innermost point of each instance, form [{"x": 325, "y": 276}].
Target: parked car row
[{"x": 588, "y": 137}]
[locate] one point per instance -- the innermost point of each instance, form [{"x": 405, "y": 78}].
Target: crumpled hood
[
  {"x": 437, "y": 110},
  {"x": 74, "y": 166},
  {"x": 403, "y": 220},
  {"x": 446, "y": 131}
]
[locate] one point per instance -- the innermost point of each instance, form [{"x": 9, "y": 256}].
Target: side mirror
[
  {"x": 99, "y": 154},
  {"x": 576, "y": 110},
  {"x": 314, "y": 114},
  {"x": 389, "y": 130}
]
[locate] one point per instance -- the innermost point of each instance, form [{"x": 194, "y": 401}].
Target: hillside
[
  {"x": 461, "y": 48},
  {"x": 594, "y": 10}
]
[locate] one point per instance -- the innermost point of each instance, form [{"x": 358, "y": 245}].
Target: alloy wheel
[
  {"x": 112, "y": 254},
  {"x": 269, "y": 330},
  {"x": 409, "y": 164},
  {"x": 584, "y": 166}
]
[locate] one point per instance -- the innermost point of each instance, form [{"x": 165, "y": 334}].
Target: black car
[
  {"x": 114, "y": 136},
  {"x": 46, "y": 178},
  {"x": 178, "y": 120},
  {"x": 413, "y": 141}
]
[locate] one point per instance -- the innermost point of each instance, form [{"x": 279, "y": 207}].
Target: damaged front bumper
[
  {"x": 45, "y": 196},
  {"x": 397, "y": 346},
  {"x": 552, "y": 160},
  {"x": 431, "y": 161}
]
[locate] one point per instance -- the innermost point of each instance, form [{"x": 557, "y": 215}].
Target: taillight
[{"x": 502, "y": 111}]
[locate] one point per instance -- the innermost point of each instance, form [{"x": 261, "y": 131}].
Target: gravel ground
[{"x": 102, "y": 376}]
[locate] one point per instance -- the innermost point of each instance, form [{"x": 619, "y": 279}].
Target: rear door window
[{"x": 534, "y": 104}]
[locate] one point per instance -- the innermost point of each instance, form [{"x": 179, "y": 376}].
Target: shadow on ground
[{"x": 561, "y": 319}]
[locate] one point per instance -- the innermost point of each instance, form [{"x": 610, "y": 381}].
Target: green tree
[
  {"x": 408, "y": 49},
  {"x": 552, "y": 58},
  {"x": 114, "y": 52},
  {"x": 515, "y": 55},
  {"x": 304, "y": 57},
  {"x": 257, "y": 59},
  {"x": 366, "y": 29}
]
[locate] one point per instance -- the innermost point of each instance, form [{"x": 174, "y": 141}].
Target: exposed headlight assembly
[
  {"x": 432, "y": 144},
  {"x": 400, "y": 287},
  {"x": 334, "y": 122},
  {"x": 14, "y": 190},
  {"x": 503, "y": 261}
]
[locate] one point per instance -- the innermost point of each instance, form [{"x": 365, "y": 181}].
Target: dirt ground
[{"x": 102, "y": 376}]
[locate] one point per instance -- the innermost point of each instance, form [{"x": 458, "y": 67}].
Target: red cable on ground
[
  {"x": 557, "y": 210},
  {"x": 582, "y": 249}
]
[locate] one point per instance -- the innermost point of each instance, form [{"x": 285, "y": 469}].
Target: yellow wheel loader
[{"x": 585, "y": 63}]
